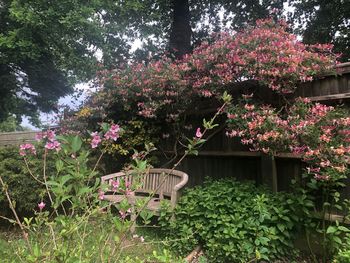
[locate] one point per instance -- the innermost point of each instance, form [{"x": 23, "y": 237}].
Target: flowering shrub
[
  {"x": 265, "y": 52},
  {"x": 319, "y": 134}
]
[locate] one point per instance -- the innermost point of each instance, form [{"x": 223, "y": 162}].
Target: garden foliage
[
  {"x": 266, "y": 53},
  {"x": 24, "y": 190},
  {"x": 236, "y": 221},
  {"x": 320, "y": 134}
]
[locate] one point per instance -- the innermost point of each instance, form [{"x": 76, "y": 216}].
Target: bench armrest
[{"x": 175, "y": 192}]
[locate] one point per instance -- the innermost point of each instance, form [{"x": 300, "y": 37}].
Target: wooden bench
[{"x": 163, "y": 183}]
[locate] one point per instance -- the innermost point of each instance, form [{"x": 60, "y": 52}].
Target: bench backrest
[{"x": 163, "y": 181}]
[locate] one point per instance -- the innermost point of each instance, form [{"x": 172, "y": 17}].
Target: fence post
[{"x": 269, "y": 171}]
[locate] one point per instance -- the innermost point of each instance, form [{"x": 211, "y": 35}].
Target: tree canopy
[
  {"x": 322, "y": 21},
  {"x": 47, "y": 47}
]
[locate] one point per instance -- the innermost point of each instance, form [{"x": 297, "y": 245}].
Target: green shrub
[
  {"x": 23, "y": 189},
  {"x": 235, "y": 221},
  {"x": 342, "y": 254}
]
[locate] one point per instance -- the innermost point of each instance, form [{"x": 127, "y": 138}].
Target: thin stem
[
  {"x": 307, "y": 234},
  {"x": 24, "y": 233},
  {"x": 98, "y": 161},
  {"x": 53, "y": 236},
  {"x": 45, "y": 181},
  {"x": 30, "y": 172}
]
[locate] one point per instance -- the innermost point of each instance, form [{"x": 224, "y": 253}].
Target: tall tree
[
  {"x": 45, "y": 48},
  {"x": 324, "y": 21},
  {"x": 181, "y": 24},
  {"x": 180, "y": 33}
]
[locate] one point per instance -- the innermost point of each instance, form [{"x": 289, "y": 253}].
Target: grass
[{"x": 133, "y": 247}]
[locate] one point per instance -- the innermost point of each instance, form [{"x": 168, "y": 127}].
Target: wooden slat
[
  {"x": 332, "y": 217},
  {"x": 15, "y": 138},
  {"x": 238, "y": 154},
  {"x": 331, "y": 97}
]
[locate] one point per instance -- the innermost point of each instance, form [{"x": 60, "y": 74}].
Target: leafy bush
[
  {"x": 24, "y": 190},
  {"x": 236, "y": 221}
]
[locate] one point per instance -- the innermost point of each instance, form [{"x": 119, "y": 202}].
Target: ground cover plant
[{"x": 237, "y": 222}]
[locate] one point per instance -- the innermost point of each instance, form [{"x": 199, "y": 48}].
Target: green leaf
[
  {"x": 344, "y": 229},
  {"x": 76, "y": 143},
  {"x": 59, "y": 165},
  {"x": 331, "y": 229}
]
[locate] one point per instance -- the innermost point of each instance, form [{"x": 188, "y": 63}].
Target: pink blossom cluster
[
  {"x": 317, "y": 133},
  {"x": 50, "y": 137},
  {"x": 96, "y": 140},
  {"x": 111, "y": 134},
  {"x": 124, "y": 214},
  {"x": 266, "y": 53},
  {"x": 54, "y": 145},
  {"x": 25, "y": 148}
]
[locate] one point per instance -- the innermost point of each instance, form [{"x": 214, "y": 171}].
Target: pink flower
[
  {"x": 198, "y": 133},
  {"x": 49, "y": 134},
  {"x": 115, "y": 128},
  {"x": 55, "y": 145},
  {"x": 123, "y": 214},
  {"x": 325, "y": 163},
  {"x": 39, "y": 136},
  {"x": 96, "y": 139},
  {"x": 312, "y": 170},
  {"x": 113, "y": 132},
  {"x": 321, "y": 177},
  {"x": 325, "y": 138},
  {"x": 27, "y": 146},
  {"x": 249, "y": 107},
  {"x": 231, "y": 116},
  {"x": 115, "y": 185},
  {"x": 142, "y": 239},
  {"x": 101, "y": 195},
  {"x": 41, "y": 205}
]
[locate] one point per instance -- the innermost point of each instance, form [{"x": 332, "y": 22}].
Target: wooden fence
[
  {"x": 15, "y": 138},
  {"x": 332, "y": 87},
  {"x": 224, "y": 157}
]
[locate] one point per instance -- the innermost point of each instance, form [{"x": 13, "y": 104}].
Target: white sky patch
[
  {"x": 73, "y": 101},
  {"x": 135, "y": 45}
]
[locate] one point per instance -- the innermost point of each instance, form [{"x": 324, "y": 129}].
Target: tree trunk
[{"x": 180, "y": 35}]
